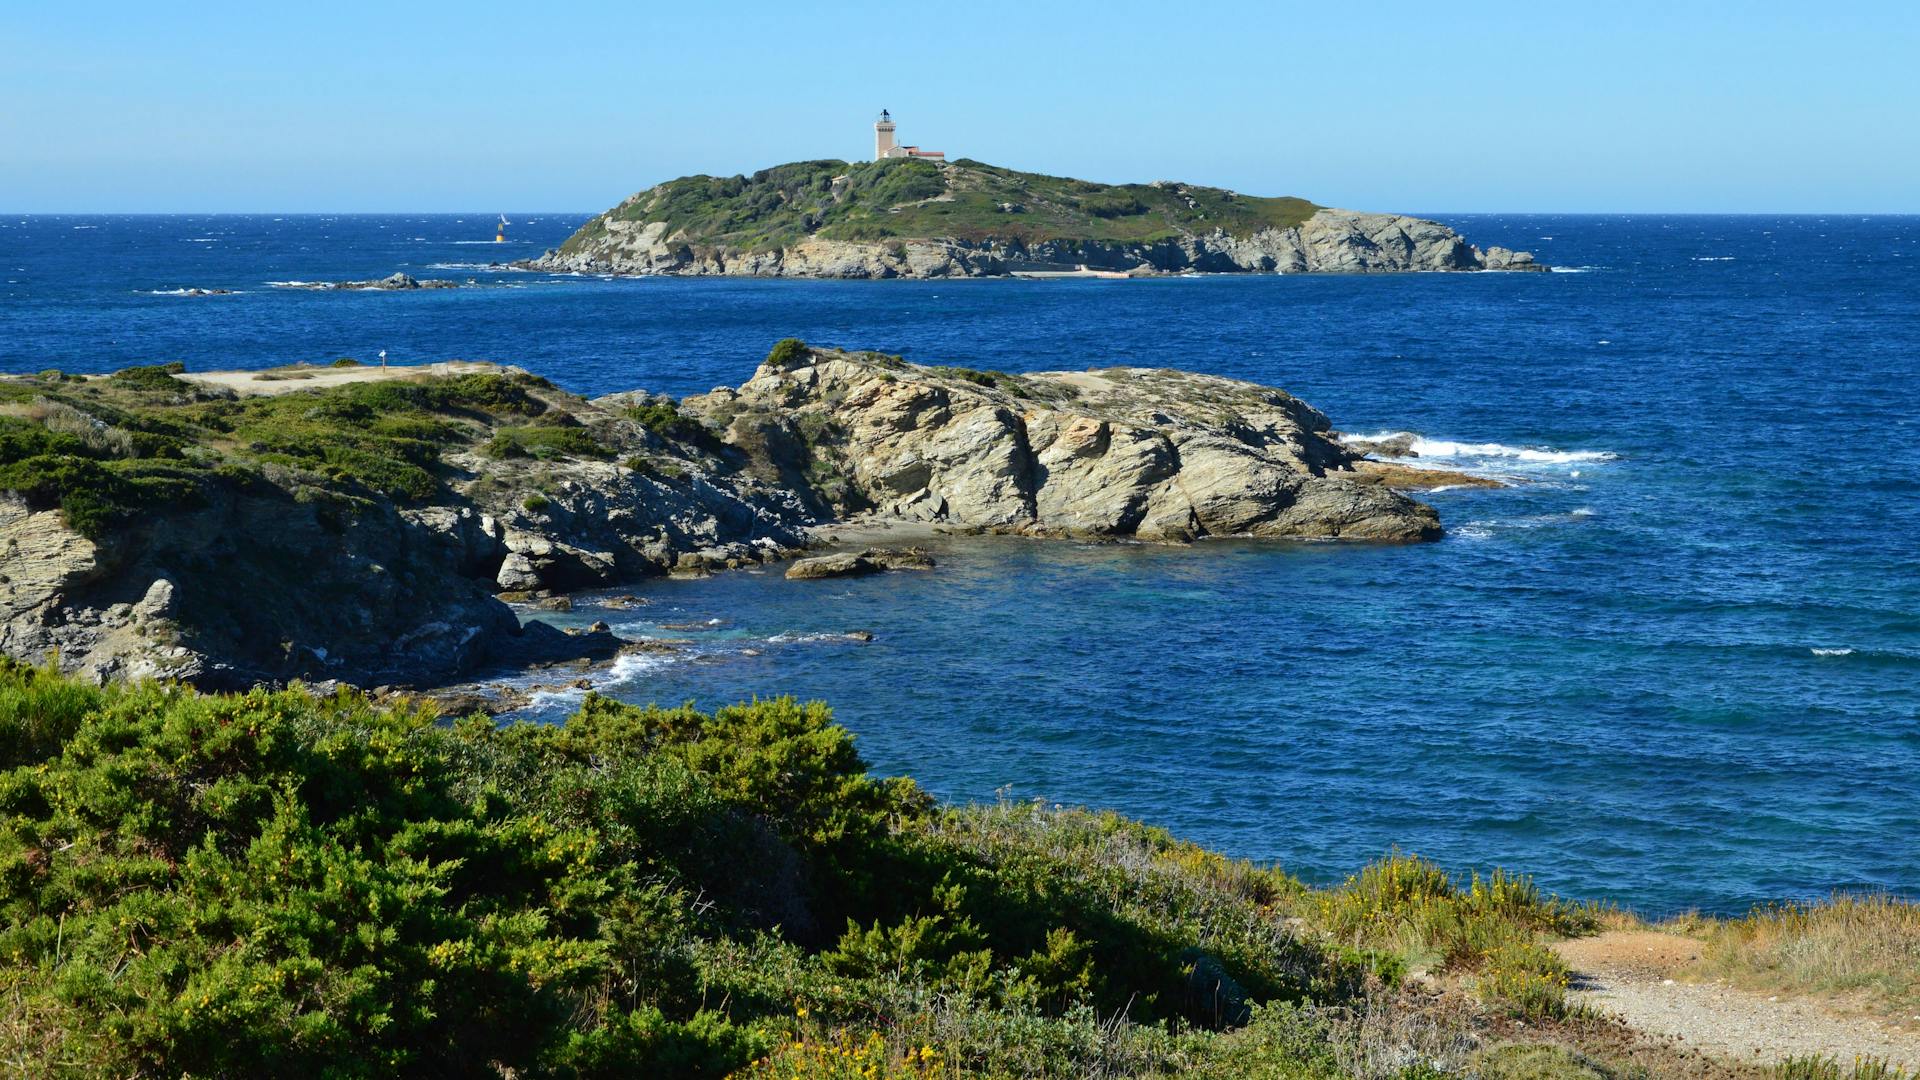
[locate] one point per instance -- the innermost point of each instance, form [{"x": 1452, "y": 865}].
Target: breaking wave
[{"x": 1468, "y": 453}]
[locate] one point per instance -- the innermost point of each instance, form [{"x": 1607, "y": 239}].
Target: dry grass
[
  {"x": 63, "y": 419},
  {"x": 1865, "y": 946}
]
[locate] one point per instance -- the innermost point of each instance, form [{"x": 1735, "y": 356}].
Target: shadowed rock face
[{"x": 1144, "y": 453}]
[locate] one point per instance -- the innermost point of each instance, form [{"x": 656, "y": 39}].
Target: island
[
  {"x": 915, "y": 217},
  {"x": 362, "y": 524}
]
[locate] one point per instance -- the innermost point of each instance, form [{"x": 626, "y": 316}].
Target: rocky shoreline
[
  {"x": 1331, "y": 241},
  {"x": 287, "y": 546}
]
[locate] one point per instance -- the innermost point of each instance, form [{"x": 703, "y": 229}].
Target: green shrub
[
  {"x": 665, "y": 419},
  {"x": 151, "y": 377},
  {"x": 646, "y": 466},
  {"x": 345, "y": 361},
  {"x": 490, "y": 392},
  {"x": 787, "y": 354},
  {"x": 535, "y": 503},
  {"x": 1407, "y": 906},
  {"x": 544, "y": 442}
]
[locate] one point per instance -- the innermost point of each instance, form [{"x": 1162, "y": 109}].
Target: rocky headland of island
[
  {"x": 369, "y": 525},
  {"x": 905, "y": 218}
]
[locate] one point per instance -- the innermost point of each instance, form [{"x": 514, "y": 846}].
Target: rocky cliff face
[
  {"x": 1331, "y": 241},
  {"x": 1124, "y": 452},
  {"x": 277, "y": 554}
]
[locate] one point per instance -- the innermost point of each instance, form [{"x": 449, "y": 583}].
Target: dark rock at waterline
[
  {"x": 859, "y": 563},
  {"x": 397, "y": 282},
  {"x": 1399, "y": 446}
]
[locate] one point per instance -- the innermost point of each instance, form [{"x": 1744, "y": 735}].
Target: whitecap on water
[
  {"x": 797, "y": 637},
  {"x": 1831, "y": 652},
  {"x": 1467, "y": 454}
]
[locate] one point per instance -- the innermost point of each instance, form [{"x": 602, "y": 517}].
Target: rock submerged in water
[
  {"x": 396, "y": 282},
  {"x": 859, "y": 563}
]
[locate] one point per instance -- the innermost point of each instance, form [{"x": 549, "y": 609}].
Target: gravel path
[{"x": 1630, "y": 974}]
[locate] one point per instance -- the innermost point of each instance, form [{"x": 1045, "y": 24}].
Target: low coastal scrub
[
  {"x": 544, "y": 442},
  {"x": 278, "y": 883},
  {"x": 1410, "y": 910},
  {"x": 898, "y": 199},
  {"x": 102, "y": 450}
]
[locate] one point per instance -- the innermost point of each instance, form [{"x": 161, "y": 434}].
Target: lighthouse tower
[{"x": 884, "y": 147}]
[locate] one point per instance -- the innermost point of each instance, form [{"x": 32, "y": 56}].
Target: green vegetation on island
[
  {"x": 908, "y": 199},
  {"x": 277, "y": 883},
  {"x": 102, "y": 450}
]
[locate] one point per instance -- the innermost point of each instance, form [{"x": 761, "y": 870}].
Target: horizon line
[{"x": 595, "y": 213}]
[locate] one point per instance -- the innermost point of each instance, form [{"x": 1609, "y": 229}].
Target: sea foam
[{"x": 1467, "y": 452}]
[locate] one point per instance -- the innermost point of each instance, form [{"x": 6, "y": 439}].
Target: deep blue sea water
[{"x": 1678, "y": 664}]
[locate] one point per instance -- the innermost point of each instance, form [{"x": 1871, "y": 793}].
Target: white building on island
[{"x": 884, "y": 147}]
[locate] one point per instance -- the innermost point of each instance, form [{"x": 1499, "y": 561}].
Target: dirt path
[
  {"x": 1633, "y": 974},
  {"x": 286, "y": 379}
]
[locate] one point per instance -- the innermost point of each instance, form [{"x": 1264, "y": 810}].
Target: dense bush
[
  {"x": 665, "y": 419},
  {"x": 151, "y": 377},
  {"x": 283, "y": 884},
  {"x": 787, "y": 353},
  {"x": 544, "y": 441}
]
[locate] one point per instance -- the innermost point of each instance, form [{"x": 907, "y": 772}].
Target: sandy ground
[
  {"x": 1635, "y": 975},
  {"x": 286, "y": 379}
]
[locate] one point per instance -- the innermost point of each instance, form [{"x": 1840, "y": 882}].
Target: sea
[{"x": 1674, "y": 665}]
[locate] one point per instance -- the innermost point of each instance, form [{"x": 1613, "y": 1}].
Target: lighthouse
[{"x": 885, "y": 147}]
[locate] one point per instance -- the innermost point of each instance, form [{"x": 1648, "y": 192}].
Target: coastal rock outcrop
[
  {"x": 1146, "y": 453},
  {"x": 1331, "y": 241},
  {"x": 365, "y": 527}
]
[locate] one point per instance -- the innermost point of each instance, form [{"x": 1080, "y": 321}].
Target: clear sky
[{"x": 343, "y": 106}]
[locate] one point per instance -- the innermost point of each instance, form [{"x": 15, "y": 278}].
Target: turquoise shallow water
[{"x": 1677, "y": 664}]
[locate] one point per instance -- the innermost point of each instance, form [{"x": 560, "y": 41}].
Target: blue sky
[{"x": 1392, "y": 106}]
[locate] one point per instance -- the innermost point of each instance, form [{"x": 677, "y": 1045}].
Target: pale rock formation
[{"x": 1124, "y": 452}]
